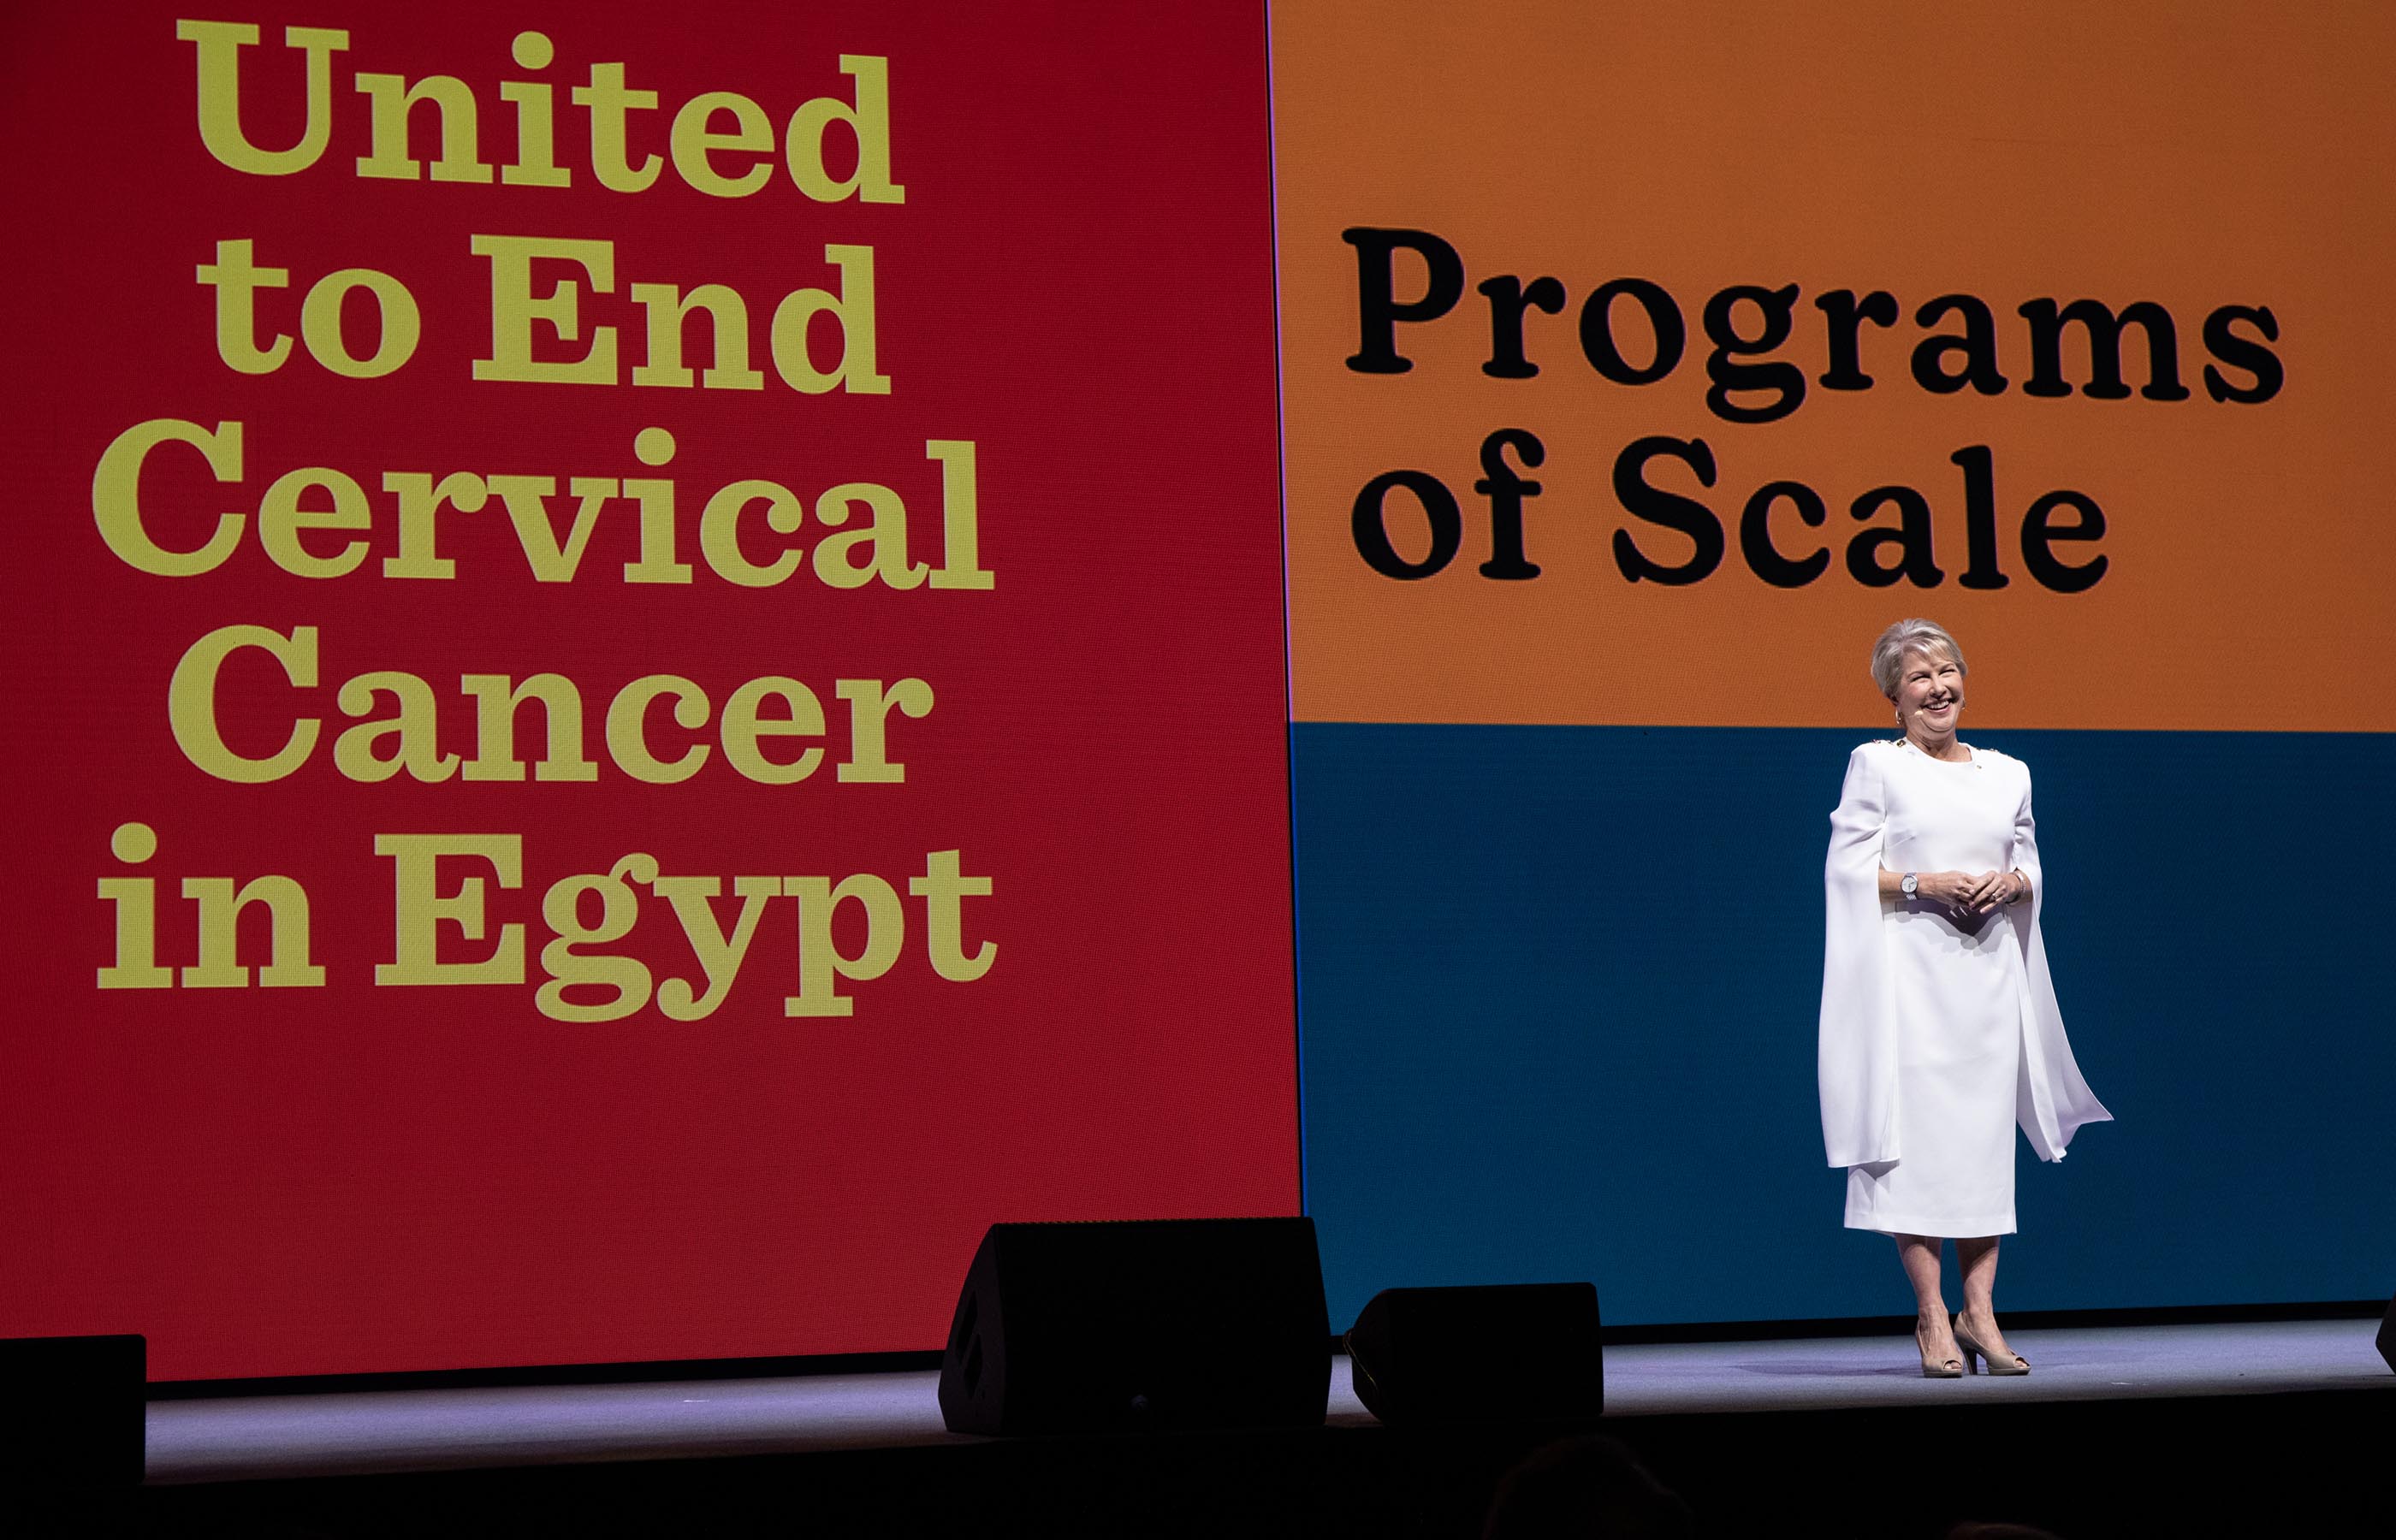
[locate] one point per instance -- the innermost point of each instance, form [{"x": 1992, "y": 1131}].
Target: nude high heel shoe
[
  {"x": 1952, "y": 1368},
  {"x": 1973, "y": 1350}
]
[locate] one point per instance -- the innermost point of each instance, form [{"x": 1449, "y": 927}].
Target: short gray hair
[{"x": 1910, "y": 636}]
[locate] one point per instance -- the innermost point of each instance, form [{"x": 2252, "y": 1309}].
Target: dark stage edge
[{"x": 2270, "y": 1427}]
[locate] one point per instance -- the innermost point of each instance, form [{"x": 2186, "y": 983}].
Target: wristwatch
[{"x": 1911, "y": 882}]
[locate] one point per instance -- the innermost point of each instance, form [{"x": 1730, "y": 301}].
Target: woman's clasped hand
[{"x": 1968, "y": 893}]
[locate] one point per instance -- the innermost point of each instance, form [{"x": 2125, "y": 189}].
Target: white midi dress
[{"x": 1939, "y": 1035}]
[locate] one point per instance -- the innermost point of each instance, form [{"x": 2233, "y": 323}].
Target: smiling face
[{"x": 1929, "y": 693}]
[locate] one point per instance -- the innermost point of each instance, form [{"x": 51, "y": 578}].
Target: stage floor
[{"x": 249, "y": 1438}]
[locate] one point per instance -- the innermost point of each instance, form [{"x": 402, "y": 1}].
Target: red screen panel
[{"x": 625, "y": 741}]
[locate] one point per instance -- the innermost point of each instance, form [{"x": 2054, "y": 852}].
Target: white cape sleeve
[
  {"x": 1858, "y": 1067},
  {"x": 2052, "y": 1100}
]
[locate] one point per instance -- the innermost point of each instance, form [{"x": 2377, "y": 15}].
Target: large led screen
[
  {"x": 1640, "y": 363},
  {"x": 670, "y": 659},
  {"x": 651, "y": 664}
]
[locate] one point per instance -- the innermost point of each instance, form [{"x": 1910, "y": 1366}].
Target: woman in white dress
[{"x": 1939, "y": 1027}]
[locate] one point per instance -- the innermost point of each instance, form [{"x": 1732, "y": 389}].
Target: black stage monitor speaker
[
  {"x": 2388, "y": 1335},
  {"x": 71, "y": 1414},
  {"x": 1509, "y": 1350},
  {"x": 1124, "y": 1325}
]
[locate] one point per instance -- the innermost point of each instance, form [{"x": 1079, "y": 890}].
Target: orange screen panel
[{"x": 1968, "y": 284}]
